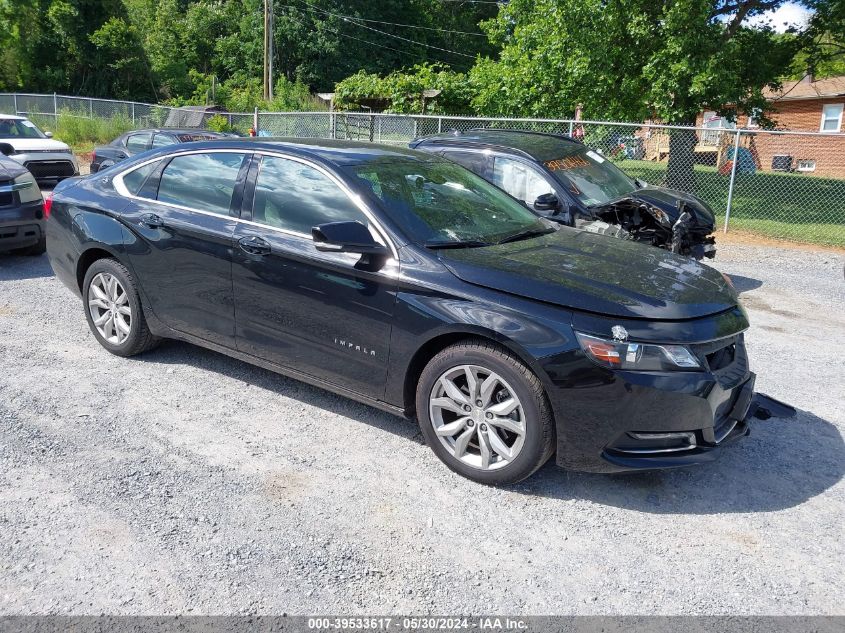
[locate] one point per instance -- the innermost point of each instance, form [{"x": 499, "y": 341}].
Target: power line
[
  {"x": 410, "y": 26},
  {"x": 405, "y": 39},
  {"x": 352, "y": 20},
  {"x": 351, "y": 37}
]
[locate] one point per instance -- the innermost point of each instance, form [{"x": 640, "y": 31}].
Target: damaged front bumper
[{"x": 647, "y": 451}]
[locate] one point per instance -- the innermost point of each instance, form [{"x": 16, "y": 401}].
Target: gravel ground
[{"x": 187, "y": 482}]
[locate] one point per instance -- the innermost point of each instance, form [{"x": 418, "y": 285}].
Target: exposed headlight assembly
[{"x": 633, "y": 356}]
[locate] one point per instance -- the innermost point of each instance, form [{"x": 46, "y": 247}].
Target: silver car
[{"x": 46, "y": 159}]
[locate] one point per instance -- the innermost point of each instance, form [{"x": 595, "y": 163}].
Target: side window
[
  {"x": 160, "y": 140},
  {"x": 519, "y": 180},
  {"x": 474, "y": 161},
  {"x": 292, "y": 196},
  {"x": 134, "y": 180},
  {"x": 204, "y": 182},
  {"x": 138, "y": 142}
]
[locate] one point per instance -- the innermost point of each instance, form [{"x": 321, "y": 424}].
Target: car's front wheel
[
  {"x": 113, "y": 309},
  {"x": 484, "y": 413}
]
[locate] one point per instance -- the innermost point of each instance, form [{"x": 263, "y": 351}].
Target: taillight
[{"x": 48, "y": 205}]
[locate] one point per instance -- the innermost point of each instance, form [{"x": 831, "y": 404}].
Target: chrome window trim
[{"x": 121, "y": 189}]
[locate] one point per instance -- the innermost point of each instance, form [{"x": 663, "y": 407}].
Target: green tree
[{"x": 631, "y": 60}]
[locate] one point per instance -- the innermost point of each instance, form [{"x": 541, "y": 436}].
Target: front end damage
[{"x": 685, "y": 229}]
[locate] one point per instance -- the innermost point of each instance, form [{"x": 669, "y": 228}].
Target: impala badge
[{"x": 355, "y": 347}]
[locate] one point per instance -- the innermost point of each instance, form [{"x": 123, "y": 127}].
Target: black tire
[
  {"x": 539, "y": 440},
  {"x": 33, "y": 251},
  {"x": 140, "y": 339}
]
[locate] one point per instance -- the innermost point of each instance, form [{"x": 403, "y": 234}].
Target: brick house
[{"x": 807, "y": 105}]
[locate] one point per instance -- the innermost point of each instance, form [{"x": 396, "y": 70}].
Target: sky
[{"x": 790, "y": 13}]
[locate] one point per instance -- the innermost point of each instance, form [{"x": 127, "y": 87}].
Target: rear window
[
  {"x": 138, "y": 142},
  {"x": 204, "y": 182},
  {"x": 134, "y": 180}
]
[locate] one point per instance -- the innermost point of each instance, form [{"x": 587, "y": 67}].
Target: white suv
[{"x": 46, "y": 159}]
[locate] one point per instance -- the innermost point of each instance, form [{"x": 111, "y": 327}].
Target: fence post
[
  {"x": 90, "y": 108},
  {"x": 439, "y": 124},
  {"x": 55, "y": 109},
  {"x": 255, "y": 120},
  {"x": 733, "y": 178},
  {"x": 16, "y": 103},
  {"x": 570, "y": 129},
  {"x": 133, "y": 113}
]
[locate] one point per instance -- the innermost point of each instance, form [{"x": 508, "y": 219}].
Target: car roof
[
  {"x": 540, "y": 146},
  {"x": 13, "y": 117},
  {"x": 339, "y": 152}
]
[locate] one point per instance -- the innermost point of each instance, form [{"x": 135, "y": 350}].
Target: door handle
[
  {"x": 254, "y": 245},
  {"x": 151, "y": 220}
]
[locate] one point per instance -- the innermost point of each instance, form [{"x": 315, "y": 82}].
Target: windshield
[
  {"x": 590, "y": 177},
  {"x": 17, "y": 128},
  {"x": 440, "y": 202}
]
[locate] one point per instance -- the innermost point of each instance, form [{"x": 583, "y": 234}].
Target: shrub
[
  {"x": 218, "y": 123},
  {"x": 81, "y": 132},
  {"x": 402, "y": 90}
]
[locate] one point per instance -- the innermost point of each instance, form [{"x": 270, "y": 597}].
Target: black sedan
[
  {"x": 21, "y": 210},
  {"x": 405, "y": 281},
  {"x": 138, "y": 141},
  {"x": 562, "y": 179}
]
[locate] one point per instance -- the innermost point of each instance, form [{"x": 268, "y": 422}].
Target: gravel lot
[{"x": 186, "y": 482}]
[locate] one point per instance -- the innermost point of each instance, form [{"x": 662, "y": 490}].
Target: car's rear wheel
[
  {"x": 484, "y": 413},
  {"x": 113, "y": 309}
]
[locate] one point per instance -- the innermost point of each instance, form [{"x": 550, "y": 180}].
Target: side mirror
[
  {"x": 346, "y": 237},
  {"x": 48, "y": 134},
  {"x": 547, "y": 202},
  {"x": 6, "y": 149},
  {"x": 642, "y": 184}
]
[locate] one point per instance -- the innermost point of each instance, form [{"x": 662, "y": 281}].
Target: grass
[
  {"x": 83, "y": 133},
  {"x": 791, "y": 206}
]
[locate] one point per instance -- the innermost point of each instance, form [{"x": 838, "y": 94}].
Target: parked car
[
  {"x": 138, "y": 141},
  {"x": 407, "y": 282},
  {"x": 47, "y": 159},
  {"x": 21, "y": 210},
  {"x": 563, "y": 180}
]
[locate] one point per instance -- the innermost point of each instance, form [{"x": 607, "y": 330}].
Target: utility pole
[
  {"x": 271, "y": 47},
  {"x": 266, "y": 48}
]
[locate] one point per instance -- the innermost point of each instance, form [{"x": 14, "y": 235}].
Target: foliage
[
  {"x": 169, "y": 50},
  {"x": 81, "y": 132},
  {"x": 218, "y": 123},
  {"x": 402, "y": 91}
]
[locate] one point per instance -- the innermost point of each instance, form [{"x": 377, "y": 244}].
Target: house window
[
  {"x": 831, "y": 117},
  {"x": 806, "y": 165},
  {"x": 752, "y": 118}
]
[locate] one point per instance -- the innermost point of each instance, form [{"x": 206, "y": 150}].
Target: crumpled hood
[
  {"x": 596, "y": 273},
  {"x": 28, "y": 144},
  {"x": 667, "y": 200}
]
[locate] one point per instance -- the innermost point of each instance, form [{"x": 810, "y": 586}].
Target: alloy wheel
[
  {"x": 108, "y": 305},
  {"x": 477, "y": 417}
]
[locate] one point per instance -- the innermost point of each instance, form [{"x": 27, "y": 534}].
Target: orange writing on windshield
[{"x": 562, "y": 164}]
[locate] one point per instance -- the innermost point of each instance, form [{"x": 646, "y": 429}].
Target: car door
[
  {"x": 137, "y": 143},
  {"x": 527, "y": 183},
  {"x": 323, "y": 314},
  {"x": 183, "y": 218},
  {"x": 162, "y": 139},
  {"x": 477, "y": 162}
]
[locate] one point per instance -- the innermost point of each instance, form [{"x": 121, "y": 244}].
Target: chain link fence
[{"x": 782, "y": 184}]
